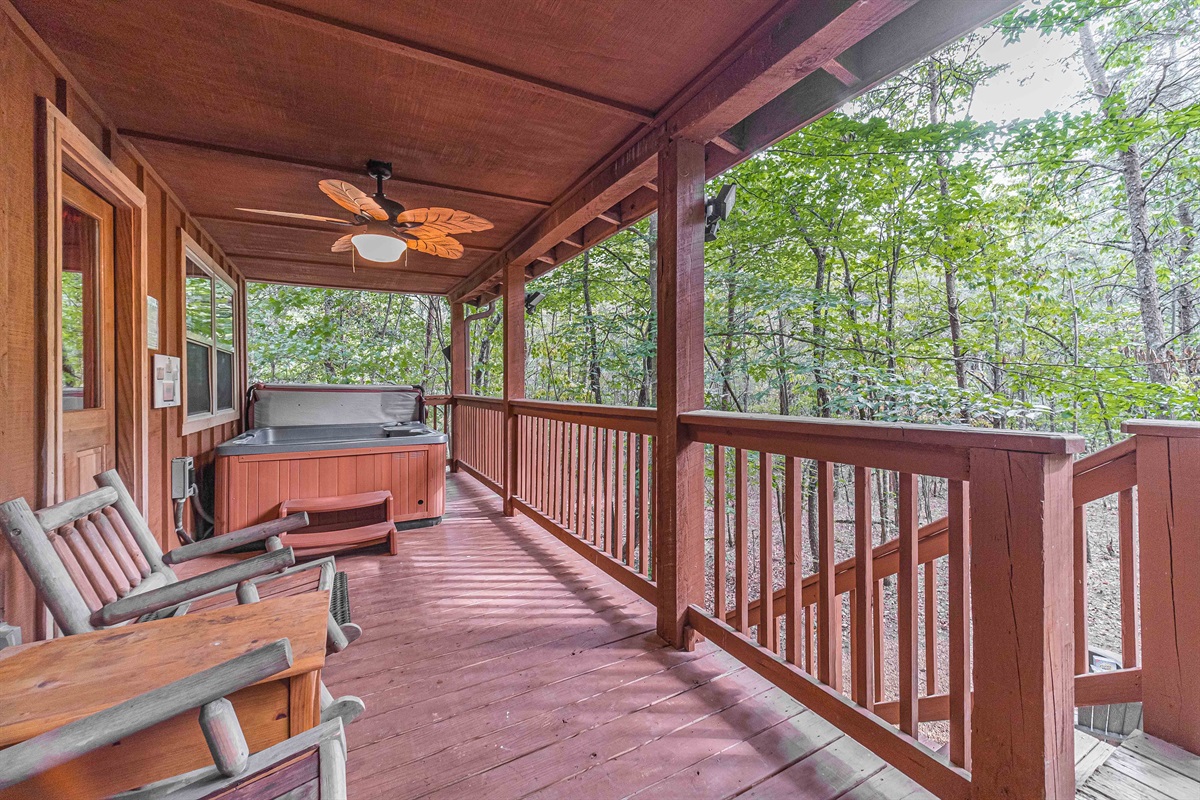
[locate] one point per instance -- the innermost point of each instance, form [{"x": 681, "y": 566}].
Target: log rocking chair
[
  {"x": 96, "y": 564},
  {"x": 310, "y": 765}
]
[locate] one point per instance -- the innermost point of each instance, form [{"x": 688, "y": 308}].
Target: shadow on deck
[{"x": 497, "y": 663}]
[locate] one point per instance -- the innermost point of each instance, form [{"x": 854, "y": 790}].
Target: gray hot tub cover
[{"x": 286, "y": 405}]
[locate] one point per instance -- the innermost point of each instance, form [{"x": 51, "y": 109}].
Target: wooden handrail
[
  {"x": 621, "y": 418},
  {"x": 478, "y": 400}
]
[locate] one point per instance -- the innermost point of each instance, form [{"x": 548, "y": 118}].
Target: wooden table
[{"x": 47, "y": 684}]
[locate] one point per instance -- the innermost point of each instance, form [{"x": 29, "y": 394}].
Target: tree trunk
[
  {"x": 593, "y": 344},
  {"x": 950, "y": 270},
  {"x": 1136, "y": 206}
]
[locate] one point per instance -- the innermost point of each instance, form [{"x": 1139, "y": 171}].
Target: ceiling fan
[{"x": 385, "y": 228}]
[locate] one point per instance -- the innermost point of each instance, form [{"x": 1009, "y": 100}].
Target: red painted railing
[
  {"x": 845, "y": 671},
  {"x": 583, "y": 473},
  {"x": 1005, "y": 551},
  {"x": 478, "y": 444}
]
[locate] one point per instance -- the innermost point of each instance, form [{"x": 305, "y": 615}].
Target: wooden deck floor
[{"x": 496, "y": 663}]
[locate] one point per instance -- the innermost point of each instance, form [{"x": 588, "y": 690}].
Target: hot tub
[{"x": 327, "y": 442}]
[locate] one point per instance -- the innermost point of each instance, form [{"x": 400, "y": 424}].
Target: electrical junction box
[{"x": 183, "y": 477}]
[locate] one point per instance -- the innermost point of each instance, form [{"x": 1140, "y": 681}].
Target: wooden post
[
  {"x": 679, "y": 462},
  {"x": 514, "y": 373},
  {"x": 459, "y": 371},
  {"x": 1022, "y": 732},
  {"x": 1169, "y": 550}
]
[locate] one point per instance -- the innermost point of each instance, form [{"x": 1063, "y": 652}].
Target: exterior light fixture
[
  {"x": 379, "y": 243},
  {"x": 717, "y": 209}
]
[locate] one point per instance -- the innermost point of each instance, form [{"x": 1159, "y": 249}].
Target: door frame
[{"x": 64, "y": 146}]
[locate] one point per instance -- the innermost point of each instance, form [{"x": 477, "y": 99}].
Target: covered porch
[{"x": 616, "y": 603}]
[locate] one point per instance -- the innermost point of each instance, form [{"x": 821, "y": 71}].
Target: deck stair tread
[{"x": 1143, "y": 767}]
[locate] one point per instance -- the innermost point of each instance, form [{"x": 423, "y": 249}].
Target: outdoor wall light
[{"x": 717, "y": 209}]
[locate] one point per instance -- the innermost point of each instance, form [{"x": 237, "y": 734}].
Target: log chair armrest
[
  {"x": 41, "y": 753},
  {"x": 173, "y": 594},
  {"x": 222, "y": 544},
  {"x": 324, "y": 581}
]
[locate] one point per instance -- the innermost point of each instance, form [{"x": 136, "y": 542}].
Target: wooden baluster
[
  {"x": 808, "y": 639},
  {"x": 719, "y": 523},
  {"x": 862, "y": 599},
  {"x": 907, "y": 605},
  {"x": 1080, "y": 552},
  {"x": 931, "y": 620},
  {"x": 618, "y": 492},
  {"x": 646, "y": 497},
  {"x": 741, "y": 545},
  {"x": 793, "y": 493},
  {"x": 1128, "y": 556},
  {"x": 630, "y": 506},
  {"x": 556, "y": 501},
  {"x": 766, "y": 561},
  {"x": 829, "y": 637},
  {"x": 576, "y": 459},
  {"x": 880, "y": 654},
  {"x": 853, "y": 639},
  {"x": 959, "y": 562},
  {"x": 598, "y": 498},
  {"x": 585, "y": 498}
]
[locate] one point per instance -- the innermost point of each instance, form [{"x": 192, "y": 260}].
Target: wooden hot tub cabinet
[{"x": 250, "y": 487}]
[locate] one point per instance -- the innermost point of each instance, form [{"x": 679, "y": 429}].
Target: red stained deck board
[{"x": 495, "y": 663}]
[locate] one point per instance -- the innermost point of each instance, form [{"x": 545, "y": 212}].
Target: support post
[
  {"x": 679, "y": 462},
  {"x": 459, "y": 369},
  {"x": 1169, "y": 578},
  {"x": 1022, "y": 732},
  {"x": 514, "y": 373}
]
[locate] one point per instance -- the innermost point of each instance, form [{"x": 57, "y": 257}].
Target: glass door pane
[{"x": 80, "y": 275}]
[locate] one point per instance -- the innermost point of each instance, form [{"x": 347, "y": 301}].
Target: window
[{"x": 211, "y": 352}]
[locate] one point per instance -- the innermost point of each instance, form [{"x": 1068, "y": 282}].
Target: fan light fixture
[{"x": 378, "y": 243}]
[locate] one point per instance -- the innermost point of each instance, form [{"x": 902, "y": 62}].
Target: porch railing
[
  {"x": 1005, "y": 550},
  {"x": 584, "y": 474},
  {"x": 478, "y": 445}
]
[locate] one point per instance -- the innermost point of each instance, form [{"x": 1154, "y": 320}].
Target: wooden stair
[
  {"x": 1142, "y": 767},
  {"x": 325, "y": 538}
]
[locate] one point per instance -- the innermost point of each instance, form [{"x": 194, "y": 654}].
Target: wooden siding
[{"x": 32, "y": 71}]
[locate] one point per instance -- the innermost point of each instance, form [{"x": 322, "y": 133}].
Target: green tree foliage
[{"x": 896, "y": 260}]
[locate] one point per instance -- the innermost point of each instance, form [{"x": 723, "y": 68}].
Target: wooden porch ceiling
[{"x": 543, "y": 117}]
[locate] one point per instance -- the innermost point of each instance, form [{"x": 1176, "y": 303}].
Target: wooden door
[{"x": 88, "y": 333}]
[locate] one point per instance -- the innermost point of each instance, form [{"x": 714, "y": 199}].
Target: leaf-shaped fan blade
[
  {"x": 442, "y": 220},
  {"x": 353, "y": 199},
  {"x": 291, "y": 215},
  {"x": 343, "y": 244},
  {"x": 443, "y": 246}
]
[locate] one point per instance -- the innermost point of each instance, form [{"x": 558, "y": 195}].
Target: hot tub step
[
  {"x": 323, "y": 542},
  {"x": 320, "y": 538}
]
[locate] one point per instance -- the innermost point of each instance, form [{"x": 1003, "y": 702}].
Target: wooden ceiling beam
[
  {"x": 839, "y": 71},
  {"x": 337, "y": 168},
  {"x": 794, "y": 41},
  {"x": 361, "y": 264},
  {"x": 772, "y": 88},
  {"x": 358, "y": 35},
  {"x": 333, "y": 277},
  {"x": 314, "y": 227},
  {"x": 919, "y": 33}
]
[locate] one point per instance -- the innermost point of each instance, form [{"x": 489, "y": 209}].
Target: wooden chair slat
[
  {"x": 76, "y": 572},
  {"x": 118, "y": 547},
  {"x": 91, "y": 567},
  {"x": 131, "y": 545},
  {"x": 104, "y": 556}
]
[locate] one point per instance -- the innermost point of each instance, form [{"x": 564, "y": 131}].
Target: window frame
[{"x": 193, "y": 423}]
